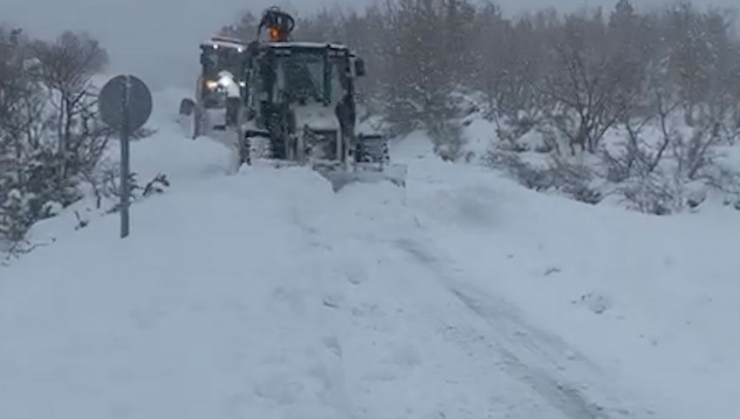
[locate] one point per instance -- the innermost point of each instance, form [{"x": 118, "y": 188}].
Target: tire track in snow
[
  {"x": 330, "y": 370},
  {"x": 531, "y": 355}
]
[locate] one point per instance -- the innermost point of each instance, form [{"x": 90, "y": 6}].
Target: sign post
[
  {"x": 125, "y": 104},
  {"x": 125, "y": 161}
]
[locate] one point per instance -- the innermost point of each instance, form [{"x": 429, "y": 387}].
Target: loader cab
[
  {"x": 223, "y": 68},
  {"x": 302, "y": 74}
]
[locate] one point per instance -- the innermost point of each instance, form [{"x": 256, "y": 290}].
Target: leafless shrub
[
  {"x": 106, "y": 186},
  {"x": 67, "y": 67},
  {"x": 558, "y": 175},
  {"x": 588, "y": 82},
  {"x": 50, "y": 136},
  {"x": 18, "y": 248},
  {"x": 650, "y": 194},
  {"x": 525, "y": 173}
]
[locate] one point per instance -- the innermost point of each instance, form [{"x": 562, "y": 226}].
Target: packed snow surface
[{"x": 264, "y": 294}]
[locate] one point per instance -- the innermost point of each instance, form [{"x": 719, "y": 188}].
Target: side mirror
[{"x": 360, "y": 68}]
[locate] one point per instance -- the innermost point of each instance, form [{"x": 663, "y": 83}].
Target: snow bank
[
  {"x": 650, "y": 299},
  {"x": 167, "y": 151},
  {"x": 172, "y": 321}
]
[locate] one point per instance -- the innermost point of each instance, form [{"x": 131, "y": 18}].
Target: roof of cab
[
  {"x": 306, "y": 45},
  {"x": 225, "y": 41}
]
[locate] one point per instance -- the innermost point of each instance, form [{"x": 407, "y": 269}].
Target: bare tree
[
  {"x": 68, "y": 66},
  {"x": 585, "y": 83}
]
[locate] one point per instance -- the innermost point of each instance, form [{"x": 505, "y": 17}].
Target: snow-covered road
[{"x": 265, "y": 294}]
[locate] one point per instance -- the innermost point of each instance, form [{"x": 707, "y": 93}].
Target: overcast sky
[{"x": 158, "y": 39}]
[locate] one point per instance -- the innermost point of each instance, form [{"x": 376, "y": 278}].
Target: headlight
[{"x": 211, "y": 85}]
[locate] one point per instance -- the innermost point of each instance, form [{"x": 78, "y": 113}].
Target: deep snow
[{"x": 264, "y": 294}]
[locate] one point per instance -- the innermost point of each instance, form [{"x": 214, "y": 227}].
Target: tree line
[{"x": 571, "y": 79}]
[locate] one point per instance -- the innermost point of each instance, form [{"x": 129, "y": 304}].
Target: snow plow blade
[{"x": 340, "y": 176}]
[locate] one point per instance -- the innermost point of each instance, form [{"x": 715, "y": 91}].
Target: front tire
[
  {"x": 372, "y": 149},
  {"x": 200, "y": 121},
  {"x": 233, "y": 107}
]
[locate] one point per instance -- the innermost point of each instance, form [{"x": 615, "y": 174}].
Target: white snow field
[{"x": 265, "y": 295}]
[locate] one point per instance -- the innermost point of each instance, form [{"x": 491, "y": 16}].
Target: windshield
[
  {"x": 216, "y": 60},
  {"x": 303, "y": 76}
]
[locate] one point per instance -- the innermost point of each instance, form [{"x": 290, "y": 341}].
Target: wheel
[
  {"x": 187, "y": 107},
  {"x": 245, "y": 151},
  {"x": 372, "y": 149},
  {"x": 233, "y": 107},
  {"x": 200, "y": 121},
  {"x": 386, "y": 158}
]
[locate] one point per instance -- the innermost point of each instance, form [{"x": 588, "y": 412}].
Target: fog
[
  {"x": 158, "y": 39},
  {"x": 154, "y": 39}
]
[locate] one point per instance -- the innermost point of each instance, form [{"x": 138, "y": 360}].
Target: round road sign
[{"x": 113, "y": 96}]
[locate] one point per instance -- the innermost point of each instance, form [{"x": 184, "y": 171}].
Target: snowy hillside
[{"x": 264, "y": 294}]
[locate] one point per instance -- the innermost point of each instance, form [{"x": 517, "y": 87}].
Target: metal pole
[{"x": 125, "y": 187}]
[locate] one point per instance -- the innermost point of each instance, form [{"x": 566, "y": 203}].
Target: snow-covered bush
[
  {"x": 50, "y": 136},
  {"x": 568, "y": 177},
  {"x": 641, "y": 106},
  {"x": 656, "y": 165}
]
